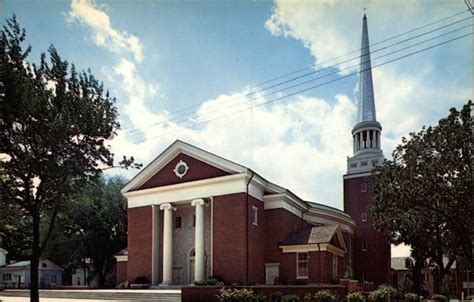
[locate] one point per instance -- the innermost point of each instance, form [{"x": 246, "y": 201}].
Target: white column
[
  {"x": 167, "y": 243},
  {"x": 155, "y": 239},
  {"x": 199, "y": 259}
]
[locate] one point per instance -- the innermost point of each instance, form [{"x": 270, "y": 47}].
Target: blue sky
[{"x": 158, "y": 57}]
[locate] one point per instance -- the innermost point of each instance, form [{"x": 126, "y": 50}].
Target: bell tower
[{"x": 371, "y": 249}]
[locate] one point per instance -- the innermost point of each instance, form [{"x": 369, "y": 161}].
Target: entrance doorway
[{"x": 191, "y": 256}]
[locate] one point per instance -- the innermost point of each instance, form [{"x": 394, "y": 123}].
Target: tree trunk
[
  {"x": 417, "y": 276},
  {"x": 35, "y": 258}
]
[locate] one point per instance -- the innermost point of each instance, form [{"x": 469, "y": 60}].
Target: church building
[{"x": 193, "y": 214}]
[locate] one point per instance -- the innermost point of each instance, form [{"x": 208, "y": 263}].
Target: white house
[{"x": 18, "y": 273}]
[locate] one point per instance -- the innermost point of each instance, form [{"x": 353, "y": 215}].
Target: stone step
[{"x": 138, "y": 295}]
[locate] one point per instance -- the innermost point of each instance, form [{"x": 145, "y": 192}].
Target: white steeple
[
  {"x": 366, "y": 105},
  {"x": 366, "y": 132}
]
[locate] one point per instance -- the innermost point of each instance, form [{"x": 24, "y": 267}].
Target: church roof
[
  {"x": 366, "y": 101},
  {"x": 312, "y": 235}
]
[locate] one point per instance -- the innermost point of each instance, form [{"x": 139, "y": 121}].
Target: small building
[
  {"x": 18, "y": 274},
  {"x": 402, "y": 272},
  {"x": 121, "y": 266},
  {"x": 80, "y": 277}
]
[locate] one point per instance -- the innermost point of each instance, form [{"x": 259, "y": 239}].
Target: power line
[
  {"x": 322, "y": 63},
  {"x": 312, "y": 87},
  {"x": 331, "y": 73}
]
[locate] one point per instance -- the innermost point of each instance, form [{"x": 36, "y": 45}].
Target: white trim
[
  {"x": 356, "y": 175},
  {"x": 121, "y": 258},
  {"x": 364, "y": 216},
  {"x": 307, "y": 266},
  {"x": 171, "y": 152},
  {"x": 276, "y": 201},
  {"x": 185, "y": 192},
  {"x": 254, "y": 215},
  {"x": 305, "y": 248},
  {"x": 326, "y": 217},
  {"x": 178, "y": 165},
  {"x": 212, "y": 236},
  {"x": 310, "y": 214}
]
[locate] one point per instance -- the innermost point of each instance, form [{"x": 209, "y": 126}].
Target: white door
[{"x": 272, "y": 272}]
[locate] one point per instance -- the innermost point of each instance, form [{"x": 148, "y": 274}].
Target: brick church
[{"x": 193, "y": 214}]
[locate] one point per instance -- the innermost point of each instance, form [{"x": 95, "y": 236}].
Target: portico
[{"x": 177, "y": 231}]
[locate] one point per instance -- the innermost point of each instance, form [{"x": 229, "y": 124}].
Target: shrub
[
  {"x": 239, "y": 295},
  {"x": 276, "y": 296},
  {"x": 124, "y": 284},
  {"x": 142, "y": 280},
  {"x": 259, "y": 297},
  {"x": 325, "y": 296},
  {"x": 217, "y": 277},
  {"x": 308, "y": 297},
  {"x": 355, "y": 297},
  {"x": 439, "y": 298},
  {"x": 412, "y": 297},
  {"x": 290, "y": 298},
  {"x": 382, "y": 293},
  {"x": 209, "y": 281}
]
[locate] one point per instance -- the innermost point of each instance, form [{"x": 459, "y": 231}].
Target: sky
[{"x": 199, "y": 71}]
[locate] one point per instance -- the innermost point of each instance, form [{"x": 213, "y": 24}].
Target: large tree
[
  {"x": 94, "y": 226},
  {"x": 55, "y": 125},
  {"x": 423, "y": 197}
]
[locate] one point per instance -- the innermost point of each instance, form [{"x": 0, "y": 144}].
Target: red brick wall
[
  {"x": 139, "y": 242},
  {"x": 121, "y": 272},
  {"x": 197, "y": 170},
  {"x": 279, "y": 223},
  {"x": 256, "y": 243},
  {"x": 229, "y": 242},
  {"x": 373, "y": 264}
]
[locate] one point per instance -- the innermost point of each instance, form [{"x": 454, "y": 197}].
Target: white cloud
[
  {"x": 301, "y": 145},
  {"x": 87, "y": 12}
]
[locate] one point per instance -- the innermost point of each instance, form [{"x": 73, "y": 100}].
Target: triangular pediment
[{"x": 197, "y": 163}]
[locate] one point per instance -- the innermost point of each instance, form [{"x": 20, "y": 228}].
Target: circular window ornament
[{"x": 181, "y": 169}]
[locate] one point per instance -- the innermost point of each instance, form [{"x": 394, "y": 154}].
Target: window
[
  {"x": 7, "y": 277},
  {"x": 364, "y": 216},
  {"x": 43, "y": 265},
  {"x": 301, "y": 265},
  {"x": 408, "y": 263},
  {"x": 363, "y": 163},
  {"x": 364, "y": 246},
  {"x": 53, "y": 279},
  {"x": 255, "y": 215},
  {"x": 363, "y": 187},
  {"x": 177, "y": 222},
  {"x": 354, "y": 165},
  {"x": 375, "y": 162},
  {"x": 334, "y": 266}
]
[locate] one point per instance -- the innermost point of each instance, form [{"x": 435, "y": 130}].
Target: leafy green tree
[
  {"x": 423, "y": 197},
  {"x": 55, "y": 125},
  {"x": 93, "y": 226}
]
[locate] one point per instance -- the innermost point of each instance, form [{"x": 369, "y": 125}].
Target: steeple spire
[
  {"x": 366, "y": 132},
  {"x": 366, "y": 101}
]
